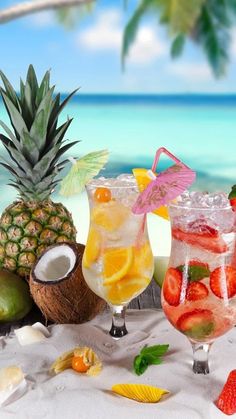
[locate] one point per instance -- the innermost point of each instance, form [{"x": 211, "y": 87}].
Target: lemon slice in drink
[
  {"x": 92, "y": 248},
  {"x": 143, "y": 180},
  {"x": 127, "y": 288}
]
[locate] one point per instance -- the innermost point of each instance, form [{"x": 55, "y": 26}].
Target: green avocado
[{"x": 15, "y": 299}]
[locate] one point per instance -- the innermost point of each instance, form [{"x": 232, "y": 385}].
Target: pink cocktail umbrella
[{"x": 166, "y": 186}]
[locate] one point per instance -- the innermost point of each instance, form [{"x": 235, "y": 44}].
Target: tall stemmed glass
[
  {"x": 118, "y": 261},
  {"x": 199, "y": 290}
]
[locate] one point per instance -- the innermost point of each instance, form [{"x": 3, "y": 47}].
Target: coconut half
[{"x": 58, "y": 286}]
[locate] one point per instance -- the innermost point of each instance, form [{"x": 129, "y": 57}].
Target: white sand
[{"x": 158, "y": 228}]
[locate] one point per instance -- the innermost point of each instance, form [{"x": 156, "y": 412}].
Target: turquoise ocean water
[{"x": 199, "y": 129}]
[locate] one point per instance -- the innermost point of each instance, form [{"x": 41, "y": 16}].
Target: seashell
[
  {"x": 27, "y": 335},
  {"x": 140, "y": 392},
  {"x": 12, "y": 384},
  {"x": 90, "y": 359}
]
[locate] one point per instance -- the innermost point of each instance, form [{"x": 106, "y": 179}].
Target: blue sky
[{"x": 89, "y": 55}]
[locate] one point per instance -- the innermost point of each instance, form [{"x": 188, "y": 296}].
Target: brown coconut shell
[{"x": 68, "y": 300}]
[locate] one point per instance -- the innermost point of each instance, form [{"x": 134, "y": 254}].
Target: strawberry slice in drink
[
  {"x": 172, "y": 286},
  {"x": 223, "y": 281},
  {"x": 204, "y": 237},
  {"x": 196, "y": 291},
  {"x": 197, "y": 324}
]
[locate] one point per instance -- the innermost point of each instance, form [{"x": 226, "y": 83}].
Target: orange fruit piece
[
  {"x": 110, "y": 215},
  {"x": 92, "y": 248},
  {"x": 78, "y": 364},
  {"x": 127, "y": 288},
  {"x": 143, "y": 260},
  {"x": 143, "y": 180},
  {"x": 116, "y": 263},
  {"x": 102, "y": 195}
]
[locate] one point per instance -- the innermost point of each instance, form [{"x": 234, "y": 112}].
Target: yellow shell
[
  {"x": 139, "y": 392},
  {"x": 90, "y": 359}
]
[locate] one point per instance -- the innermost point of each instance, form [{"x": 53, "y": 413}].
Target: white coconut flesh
[{"x": 55, "y": 264}]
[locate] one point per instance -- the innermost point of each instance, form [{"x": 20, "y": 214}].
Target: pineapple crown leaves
[{"x": 36, "y": 141}]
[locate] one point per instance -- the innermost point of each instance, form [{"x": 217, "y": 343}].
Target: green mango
[{"x": 15, "y": 299}]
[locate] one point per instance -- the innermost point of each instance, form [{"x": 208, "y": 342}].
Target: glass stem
[
  {"x": 118, "y": 328},
  {"x": 200, "y": 357}
]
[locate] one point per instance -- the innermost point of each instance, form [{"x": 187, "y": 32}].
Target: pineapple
[{"x": 32, "y": 223}]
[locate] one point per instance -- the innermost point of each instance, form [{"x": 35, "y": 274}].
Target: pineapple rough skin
[{"x": 27, "y": 229}]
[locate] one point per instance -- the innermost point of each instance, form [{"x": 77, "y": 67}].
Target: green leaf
[
  {"x": 20, "y": 159},
  {"x": 10, "y": 91},
  {"x": 181, "y": 15},
  {"x": 156, "y": 350},
  {"x": 43, "y": 89},
  {"x": 11, "y": 135},
  {"x": 16, "y": 118},
  {"x": 30, "y": 148},
  {"x": 38, "y": 130},
  {"x": 132, "y": 26},
  {"x": 32, "y": 81},
  {"x": 54, "y": 114},
  {"x": 177, "y": 46},
  {"x": 63, "y": 151},
  {"x": 60, "y": 133},
  {"x": 213, "y": 35},
  {"x": 195, "y": 272},
  {"x": 149, "y": 355},
  {"x": 140, "y": 365}
]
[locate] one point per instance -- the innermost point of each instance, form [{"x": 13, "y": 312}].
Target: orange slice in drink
[
  {"x": 92, "y": 248},
  {"x": 110, "y": 215},
  {"x": 142, "y": 261},
  {"x": 143, "y": 180},
  {"x": 127, "y": 288},
  {"x": 116, "y": 263}
]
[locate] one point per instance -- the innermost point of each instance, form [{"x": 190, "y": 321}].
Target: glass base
[
  {"x": 118, "y": 328},
  {"x": 200, "y": 357}
]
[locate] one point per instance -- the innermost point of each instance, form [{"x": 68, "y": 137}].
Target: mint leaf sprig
[{"x": 149, "y": 355}]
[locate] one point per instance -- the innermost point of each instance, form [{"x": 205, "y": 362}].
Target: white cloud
[
  {"x": 147, "y": 47},
  {"x": 106, "y": 35},
  {"x": 191, "y": 71}
]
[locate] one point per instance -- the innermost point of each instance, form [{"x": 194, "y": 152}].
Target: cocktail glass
[
  {"x": 199, "y": 290},
  {"x": 117, "y": 262}
]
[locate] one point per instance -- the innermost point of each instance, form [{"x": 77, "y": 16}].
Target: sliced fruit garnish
[
  {"x": 92, "y": 248},
  {"x": 109, "y": 215},
  {"x": 196, "y": 270},
  {"x": 208, "y": 239},
  {"x": 143, "y": 180},
  {"x": 172, "y": 286},
  {"x": 227, "y": 398},
  {"x": 196, "y": 291},
  {"x": 232, "y": 197},
  {"x": 102, "y": 195},
  {"x": 197, "y": 324},
  {"x": 223, "y": 281},
  {"x": 116, "y": 263},
  {"x": 142, "y": 261},
  {"x": 140, "y": 392},
  {"x": 124, "y": 290}
]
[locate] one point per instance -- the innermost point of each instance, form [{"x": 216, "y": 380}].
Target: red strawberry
[
  {"x": 221, "y": 279},
  {"x": 196, "y": 291},
  {"x": 227, "y": 398},
  {"x": 172, "y": 286},
  {"x": 232, "y": 197},
  {"x": 207, "y": 238},
  {"x": 197, "y": 324}
]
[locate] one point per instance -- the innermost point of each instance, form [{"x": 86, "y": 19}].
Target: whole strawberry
[
  {"x": 232, "y": 197},
  {"x": 227, "y": 398}
]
